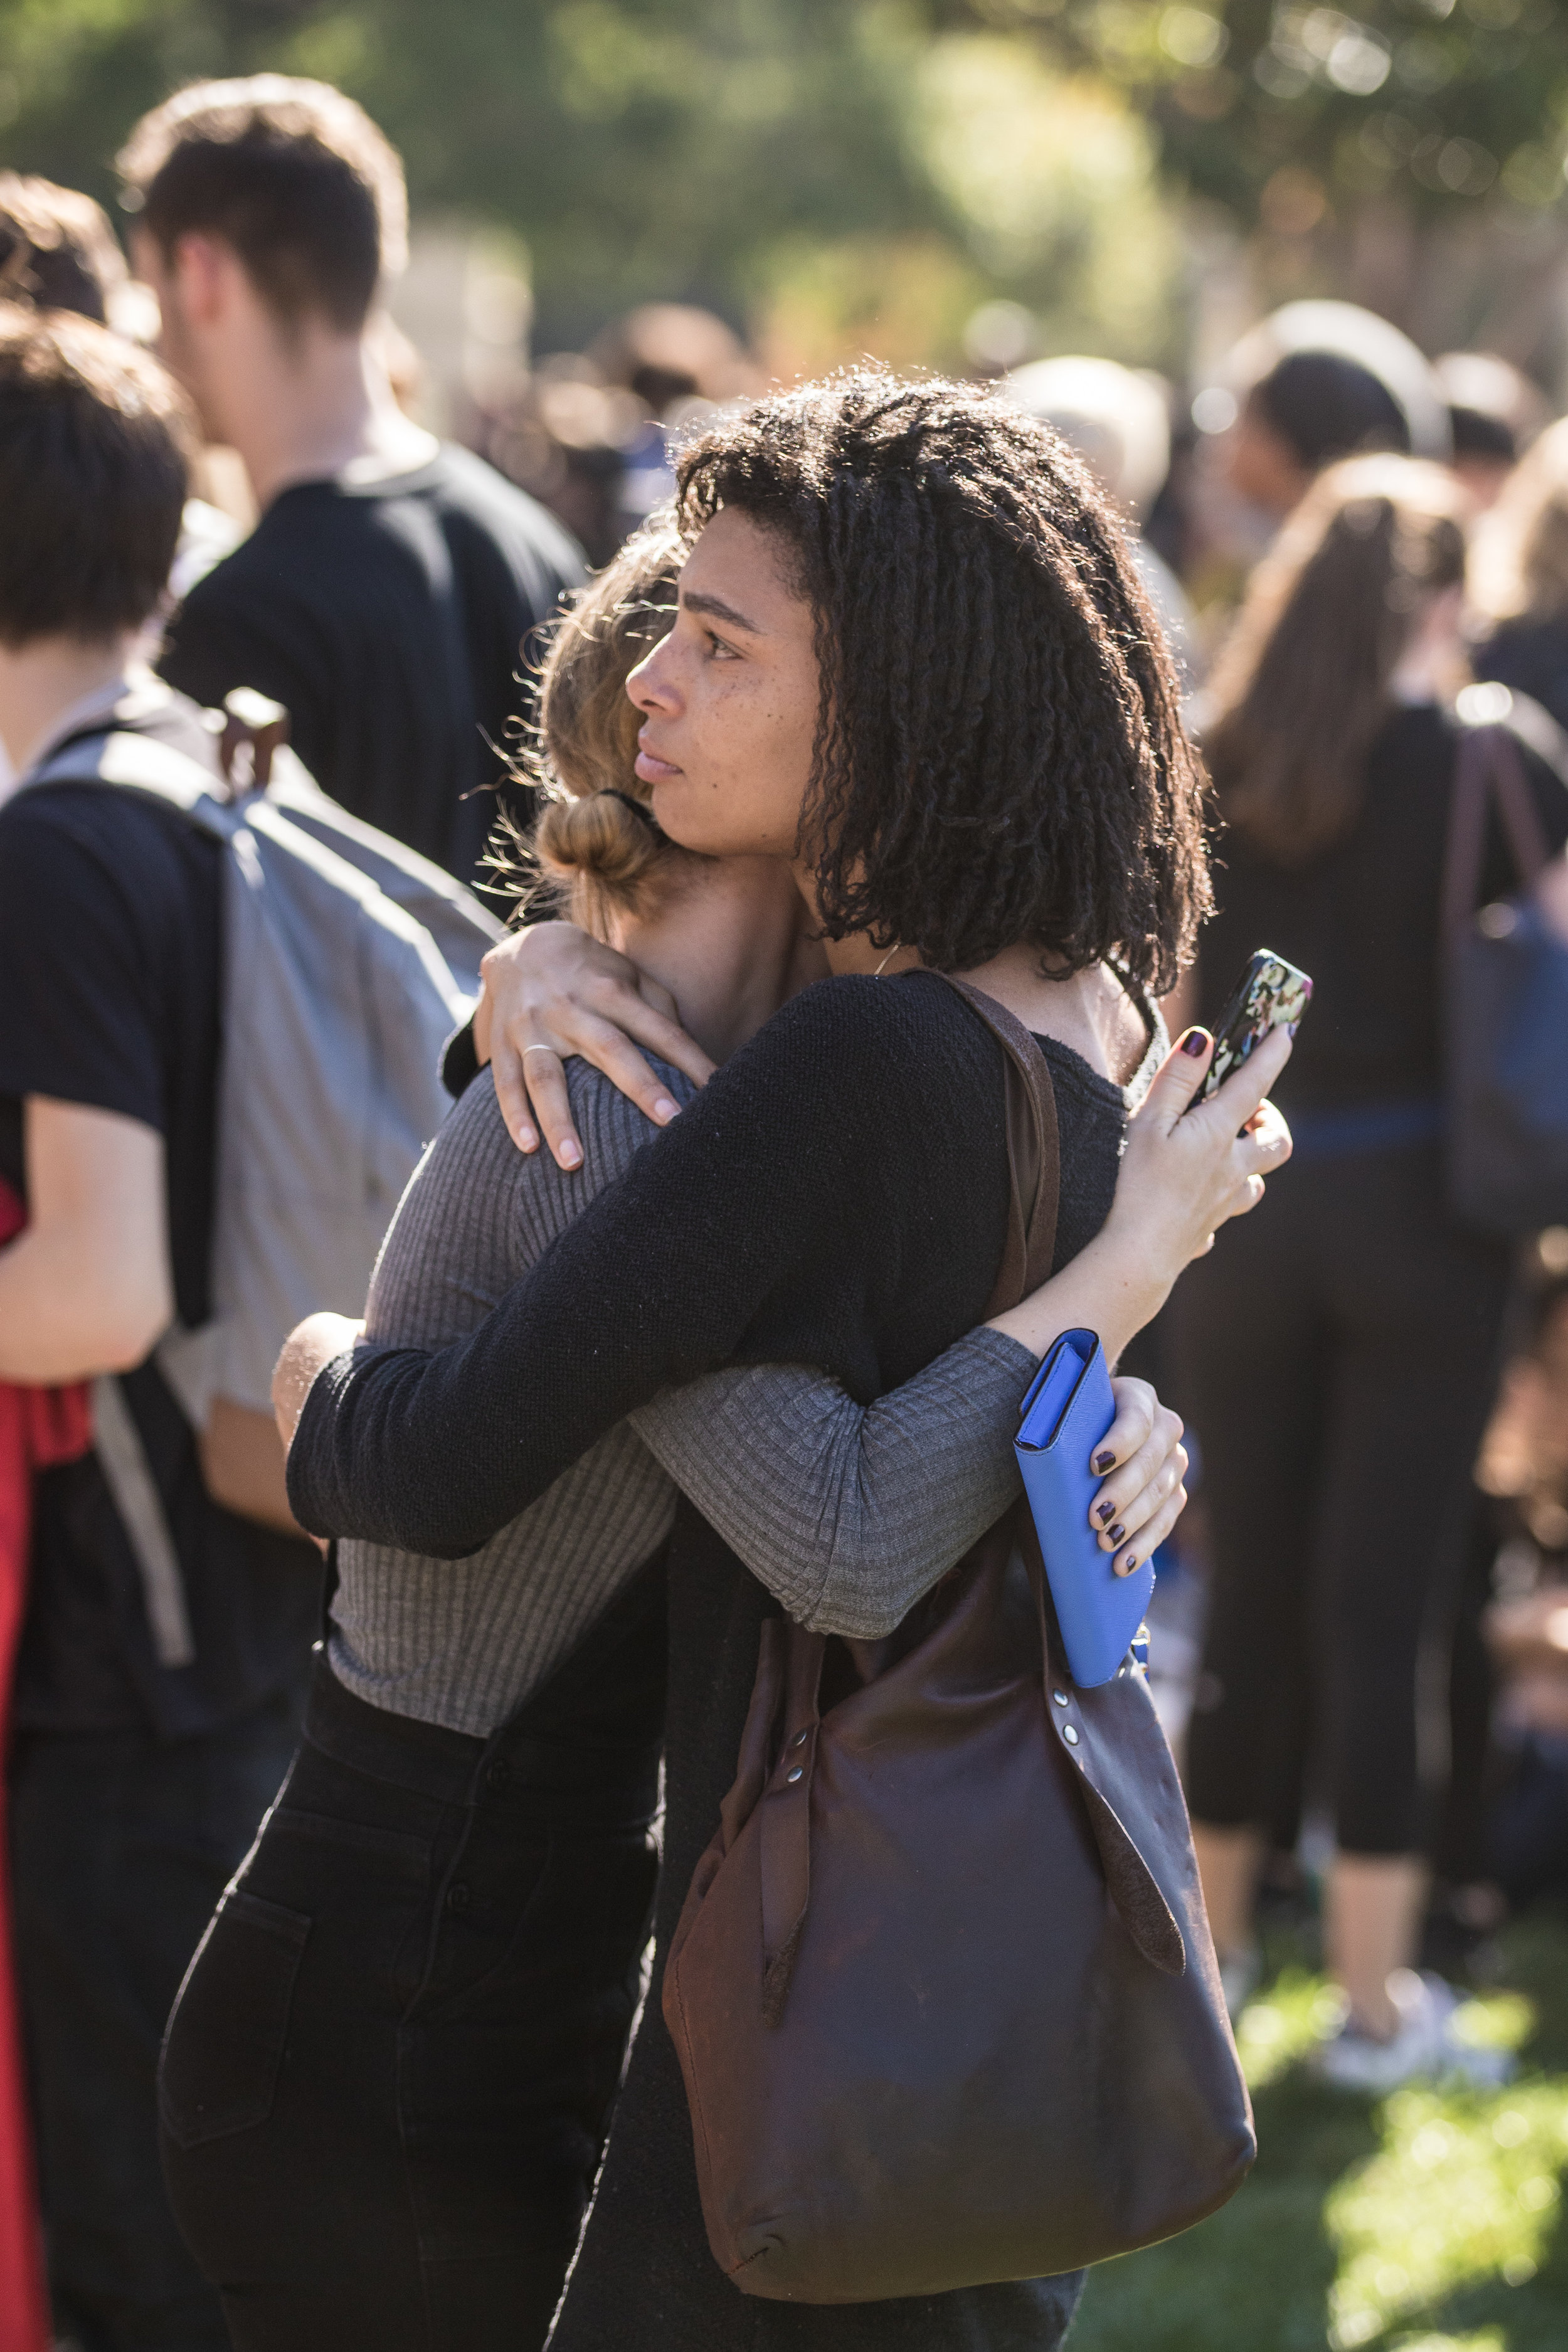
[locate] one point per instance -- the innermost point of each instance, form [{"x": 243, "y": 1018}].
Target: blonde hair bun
[
  {"x": 599, "y": 840},
  {"x": 601, "y": 858}
]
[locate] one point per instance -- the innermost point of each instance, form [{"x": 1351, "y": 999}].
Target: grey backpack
[{"x": 347, "y": 961}]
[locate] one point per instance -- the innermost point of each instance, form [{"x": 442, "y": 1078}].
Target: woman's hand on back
[{"x": 552, "y": 991}]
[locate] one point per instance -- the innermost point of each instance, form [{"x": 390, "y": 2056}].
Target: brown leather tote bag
[{"x": 943, "y": 1989}]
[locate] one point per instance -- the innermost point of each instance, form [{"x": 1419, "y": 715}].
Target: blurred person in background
[
  {"x": 565, "y": 440},
  {"x": 1120, "y": 424},
  {"x": 1521, "y": 592},
  {"x": 590, "y": 435},
  {"x": 1494, "y": 415},
  {"x": 58, "y": 252},
  {"x": 1524, "y": 1473},
  {"x": 386, "y": 595},
  {"x": 1524, "y": 1466},
  {"x": 136, "y": 1779},
  {"x": 681, "y": 363},
  {"x": 1344, "y": 1418},
  {"x": 1317, "y": 382}
]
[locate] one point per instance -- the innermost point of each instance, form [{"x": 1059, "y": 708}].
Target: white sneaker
[
  {"x": 1422, "y": 2044},
  {"x": 1239, "y": 1975}
]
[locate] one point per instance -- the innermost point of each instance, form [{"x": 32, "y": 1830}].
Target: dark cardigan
[{"x": 837, "y": 1195}]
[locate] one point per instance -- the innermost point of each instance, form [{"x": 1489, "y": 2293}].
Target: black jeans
[
  {"x": 1337, "y": 1355},
  {"x": 120, "y": 1846},
  {"x": 387, "y": 2082}
]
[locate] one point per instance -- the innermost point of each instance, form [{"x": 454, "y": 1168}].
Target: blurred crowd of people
[{"x": 1367, "y": 1607}]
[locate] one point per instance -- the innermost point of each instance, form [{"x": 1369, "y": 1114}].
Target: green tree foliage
[
  {"x": 1437, "y": 102},
  {"x": 818, "y": 164},
  {"x": 637, "y": 143}
]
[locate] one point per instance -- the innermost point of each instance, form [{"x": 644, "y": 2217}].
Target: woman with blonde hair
[
  {"x": 1338, "y": 1360},
  {"x": 387, "y": 2078}
]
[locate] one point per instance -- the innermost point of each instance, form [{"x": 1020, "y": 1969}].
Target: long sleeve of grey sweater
[{"x": 846, "y": 1513}]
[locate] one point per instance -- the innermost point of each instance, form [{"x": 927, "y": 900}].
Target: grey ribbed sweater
[{"x": 847, "y": 1514}]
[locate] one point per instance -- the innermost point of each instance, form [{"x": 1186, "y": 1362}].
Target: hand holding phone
[{"x": 1270, "y": 994}]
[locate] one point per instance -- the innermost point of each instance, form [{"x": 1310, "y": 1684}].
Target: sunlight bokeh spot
[
  {"x": 1281, "y": 2026},
  {"x": 1464, "y": 2188},
  {"x": 1491, "y": 2339},
  {"x": 1495, "y": 2021}
]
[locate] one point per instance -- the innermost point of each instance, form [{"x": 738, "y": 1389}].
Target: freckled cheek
[{"x": 732, "y": 729}]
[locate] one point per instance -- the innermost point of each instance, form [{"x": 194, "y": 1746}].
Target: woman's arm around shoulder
[
  {"x": 850, "y": 1514},
  {"x": 807, "y": 1126}
]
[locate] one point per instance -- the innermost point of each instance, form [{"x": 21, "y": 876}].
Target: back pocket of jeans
[{"x": 224, "y": 2045}]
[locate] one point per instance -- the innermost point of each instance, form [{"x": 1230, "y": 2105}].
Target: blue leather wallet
[{"x": 1066, "y": 1412}]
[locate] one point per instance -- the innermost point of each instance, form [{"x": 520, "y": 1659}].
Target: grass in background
[{"x": 1426, "y": 2222}]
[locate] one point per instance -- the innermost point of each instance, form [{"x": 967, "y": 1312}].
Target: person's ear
[{"x": 201, "y": 270}]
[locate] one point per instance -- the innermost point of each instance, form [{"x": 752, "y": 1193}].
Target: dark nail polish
[
  {"x": 1195, "y": 1042},
  {"x": 1117, "y": 1533},
  {"x": 1128, "y": 1564},
  {"x": 1104, "y": 1512},
  {"x": 1103, "y": 1462}
]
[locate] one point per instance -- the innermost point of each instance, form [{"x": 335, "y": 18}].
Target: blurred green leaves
[
  {"x": 1435, "y": 101},
  {"x": 1050, "y": 185},
  {"x": 812, "y": 164}
]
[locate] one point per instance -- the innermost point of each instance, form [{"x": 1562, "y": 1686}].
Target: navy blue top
[{"x": 1363, "y": 919}]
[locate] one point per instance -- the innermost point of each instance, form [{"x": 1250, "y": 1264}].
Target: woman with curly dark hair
[{"x": 911, "y": 659}]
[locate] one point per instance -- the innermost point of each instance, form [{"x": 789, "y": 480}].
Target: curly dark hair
[{"x": 999, "y": 755}]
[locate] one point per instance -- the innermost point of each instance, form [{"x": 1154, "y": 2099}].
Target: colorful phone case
[
  {"x": 1066, "y": 1412},
  {"x": 1270, "y": 994}
]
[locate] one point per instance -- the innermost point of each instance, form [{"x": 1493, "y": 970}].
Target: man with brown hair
[
  {"x": 386, "y": 594},
  {"x": 138, "y": 1770}
]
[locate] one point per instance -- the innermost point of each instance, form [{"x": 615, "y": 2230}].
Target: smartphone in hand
[{"x": 1270, "y": 994}]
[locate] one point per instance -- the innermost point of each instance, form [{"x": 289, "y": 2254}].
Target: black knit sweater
[{"x": 837, "y": 1195}]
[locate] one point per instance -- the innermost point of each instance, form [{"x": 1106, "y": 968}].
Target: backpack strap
[
  {"x": 121, "y": 759},
  {"x": 140, "y": 764},
  {"x": 1034, "y": 1152},
  {"x": 128, "y": 1474}
]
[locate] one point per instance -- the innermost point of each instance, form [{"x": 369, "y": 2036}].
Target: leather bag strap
[
  {"x": 784, "y": 1825},
  {"x": 1034, "y": 1152},
  {"x": 1034, "y": 1165},
  {"x": 1489, "y": 768}
]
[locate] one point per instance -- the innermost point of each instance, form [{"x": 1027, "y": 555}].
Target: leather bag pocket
[{"x": 223, "y": 2046}]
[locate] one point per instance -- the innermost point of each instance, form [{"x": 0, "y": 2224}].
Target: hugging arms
[{"x": 687, "y": 1264}]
